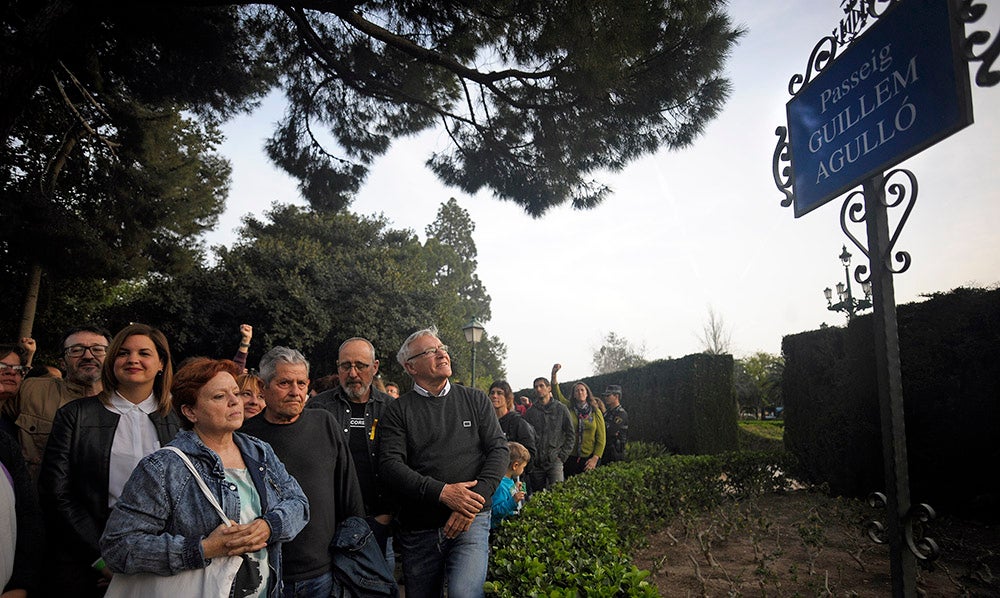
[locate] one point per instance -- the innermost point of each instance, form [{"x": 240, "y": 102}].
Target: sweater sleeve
[
  {"x": 495, "y": 450},
  {"x": 600, "y": 433}
]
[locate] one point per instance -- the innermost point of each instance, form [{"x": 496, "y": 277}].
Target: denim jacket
[{"x": 162, "y": 516}]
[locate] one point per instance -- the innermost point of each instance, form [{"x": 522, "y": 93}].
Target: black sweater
[
  {"x": 428, "y": 442},
  {"x": 315, "y": 453}
]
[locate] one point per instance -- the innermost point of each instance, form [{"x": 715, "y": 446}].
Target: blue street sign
[{"x": 899, "y": 88}]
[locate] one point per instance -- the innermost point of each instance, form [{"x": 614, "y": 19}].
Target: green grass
[{"x": 762, "y": 435}]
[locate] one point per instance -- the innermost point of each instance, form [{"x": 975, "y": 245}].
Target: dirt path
[{"x": 807, "y": 544}]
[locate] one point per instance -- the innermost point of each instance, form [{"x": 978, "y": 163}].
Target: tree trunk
[{"x": 31, "y": 300}]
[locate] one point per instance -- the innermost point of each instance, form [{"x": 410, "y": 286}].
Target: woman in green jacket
[{"x": 588, "y": 424}]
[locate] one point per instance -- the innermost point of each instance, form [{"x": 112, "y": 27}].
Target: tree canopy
[
  {"x": 310, "y": 280},
  {"x": 616, "y": 354},
  {"x": 536, "y": 97}
]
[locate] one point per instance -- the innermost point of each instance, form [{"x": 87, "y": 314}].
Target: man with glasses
[
  {"x": 553, "y": 425},
  {"x": 359, "y": 407},
  {"x": 443, "y": 454},
  {"x": 314, "y": 450},
  {"x": 13, "y": 367},
  {"x": 83, "y": 351}
]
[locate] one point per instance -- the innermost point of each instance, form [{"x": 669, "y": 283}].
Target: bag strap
[{"x": 201, "y": 483}]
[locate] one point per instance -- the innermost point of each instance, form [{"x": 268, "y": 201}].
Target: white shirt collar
[
  {"x": 426, "y": 393},
  {"x": 122, "y": 405}
]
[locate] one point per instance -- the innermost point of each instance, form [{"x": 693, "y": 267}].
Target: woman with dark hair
[
  {"x": 588, "y": 424},
  {"x": 95, "y": 444},
  {"x": 514, "y": 427},
  {"x": 165, "y": 525}
]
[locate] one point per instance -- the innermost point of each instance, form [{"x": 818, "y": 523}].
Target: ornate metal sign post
[{"x": 899, "y": 87}]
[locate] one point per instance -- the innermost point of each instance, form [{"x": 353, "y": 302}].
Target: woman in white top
[{"x": 95, "y": 444}]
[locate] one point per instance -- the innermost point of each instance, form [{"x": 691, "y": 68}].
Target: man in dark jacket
[
  {"x": 616, "y": 425},
  {"x": 359, "y": 406},
  {"x": 553, "y": 426}
]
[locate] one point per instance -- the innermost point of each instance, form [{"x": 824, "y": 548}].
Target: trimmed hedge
[
  {"x": 684, "y": 404},
  {"x": 951, "y": 399},
  {"x": 575, "y": 538}
]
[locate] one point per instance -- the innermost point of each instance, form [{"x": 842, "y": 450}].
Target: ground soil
[{"x": 807, "y": 544}]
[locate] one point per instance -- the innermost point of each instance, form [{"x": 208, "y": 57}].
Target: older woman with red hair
[{"x": 164, "y": 524}]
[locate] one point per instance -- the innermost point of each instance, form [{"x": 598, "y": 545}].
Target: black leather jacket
[
  {"x": 377, "y": 500},
  {"x": 73, "y": 484}
]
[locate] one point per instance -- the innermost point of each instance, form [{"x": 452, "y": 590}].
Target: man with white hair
[{"x": 443, "y": 453}]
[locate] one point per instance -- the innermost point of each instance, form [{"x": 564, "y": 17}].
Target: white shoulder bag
[{"x": 214, "y": 580}]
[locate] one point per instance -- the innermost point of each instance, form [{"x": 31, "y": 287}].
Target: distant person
[
  {"x": 95, "y": 444},
  {"x": 509, "y": 497},
  {"x": 243, "y": 351},
  {"x": 515, "y": 428},
  {"x": 359, "y": 408},
  {"x": 83, "y": 350},
  {"x": 554, "y": 433},
  {"x": 251, "y": 393},
  {"x": 588, "y": 427},
  {"x": 323, "y": 384},
  {"x": 522, "y": 404},
  {"x": 13, "y": 369},
  {"x": 313, "y": 448},
  {"x": 392, "y": 389},
  {"x": 443, "y": 455},
  {"x": 615, "y": 425}
]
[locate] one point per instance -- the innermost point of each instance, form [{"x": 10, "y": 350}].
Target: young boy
[{"x": 509, "y": 495}]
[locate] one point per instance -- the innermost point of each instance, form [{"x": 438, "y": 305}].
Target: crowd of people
[{"x": 133, "y": 475}]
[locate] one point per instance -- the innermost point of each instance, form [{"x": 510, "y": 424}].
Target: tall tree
[
  {"x": 617, "y": 354},
  {"x": 451, "y": 256},
  {"x": 110, "y": 137},
  {"x": 308, "y": 279},
  {"x": 764, "y": 371}
]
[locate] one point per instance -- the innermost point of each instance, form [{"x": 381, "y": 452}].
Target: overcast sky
[{"x": 683, "y": 231}]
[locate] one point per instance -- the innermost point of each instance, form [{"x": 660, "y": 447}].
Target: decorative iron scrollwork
[
  {"x": 821, "y": 57},
  {"x": 922, "y": 547},
  {"x": 826, "y": 48},
  {"x": 782, "y": 174},
  {"x": 970, "y": 12},
  {"x": 914, "y": 524},
  {"x": 895, "y": 193},
  {"x": 876, "y": 529},
  {"x": 901, "y": 194},
  {"x": 853, "y": 211}
]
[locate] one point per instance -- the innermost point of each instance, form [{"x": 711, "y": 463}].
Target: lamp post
[
  {"x": 473, "y": 334},
  {"x": 848, "y": 304}
]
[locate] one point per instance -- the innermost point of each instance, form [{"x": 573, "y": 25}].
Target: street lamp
[
  {"x": 848, "y": 304},
  {"x": 473, "y": 334}
]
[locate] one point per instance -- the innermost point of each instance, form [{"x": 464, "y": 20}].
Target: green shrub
[{"x": 576, "y": 538}]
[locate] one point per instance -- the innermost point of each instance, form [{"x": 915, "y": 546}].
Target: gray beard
[{"x": 356, "y": 394}]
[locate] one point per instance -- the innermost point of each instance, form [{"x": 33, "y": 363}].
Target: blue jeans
[
  {"x": 314, "y": 587},
  {"x": 429, "y": 558}
]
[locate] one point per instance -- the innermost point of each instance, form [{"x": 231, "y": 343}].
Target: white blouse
[{"x": 135, "y": 437}]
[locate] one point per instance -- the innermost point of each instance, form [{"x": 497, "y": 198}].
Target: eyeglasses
[
  {"x": 17, "y": 370},
  {"x": 345, "y": 366},
  {"x": 429, "y": 351},
  {"x": 79, "y": 350}
]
